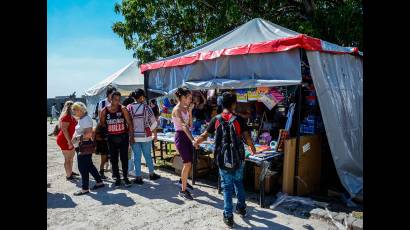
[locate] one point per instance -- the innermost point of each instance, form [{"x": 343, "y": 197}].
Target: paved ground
[{"x": 154, "y": 205}]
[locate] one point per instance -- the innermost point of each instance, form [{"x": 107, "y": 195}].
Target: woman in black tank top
[
  {"x": 115, "y": 122},
  {"x": 120, "y": 133}
]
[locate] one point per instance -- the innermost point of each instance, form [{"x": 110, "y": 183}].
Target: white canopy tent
[{"x": 125, "y": 80}]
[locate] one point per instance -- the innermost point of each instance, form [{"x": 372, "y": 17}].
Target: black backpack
[{"x": 229, "y": 148}]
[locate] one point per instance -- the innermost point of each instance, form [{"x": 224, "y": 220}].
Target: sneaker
[
  {"x": 241, "y": 211},
  {"x": 81, "y": 192},
  {"x": 95, "y": 187},
  {"x": 228, "y": 221},
  {"x": 127, "y": 182},
  {"x": 138, "y": 180},
  {"x": 75, "y": 174},
  {"x": 103, "y": 177},
  {"x": 154, "y": 176},
  {"x": 187, "y": 185},
  {"x": 70, "y": 178},
  {"x": 117, "y": 183},
  {"x": 185, "y": 194}
]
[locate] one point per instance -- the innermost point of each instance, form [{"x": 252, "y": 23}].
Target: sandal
[
  {"x": 80, "y": 193},
  {"x": 98, "y": 186}
]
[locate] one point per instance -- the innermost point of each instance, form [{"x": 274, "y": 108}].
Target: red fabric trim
[
  {"x": 227, "y": 117},
  {"x": 279, "y": 45}
]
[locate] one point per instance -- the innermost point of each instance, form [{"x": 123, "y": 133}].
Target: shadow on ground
[
  {"x": 253, "y": 216},
  {"x": 167, "y": 190},
  {"x": 59, "y": 200},
  {"x": 106, "y": 198}
]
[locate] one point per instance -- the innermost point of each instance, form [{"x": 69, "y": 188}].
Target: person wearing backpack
[
  {"x": 144, "y": 123},
  {"x": 231, "y": 131},
  {"x": 116, "y": 119}
]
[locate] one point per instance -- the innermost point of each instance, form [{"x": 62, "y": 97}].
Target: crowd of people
[{"x": 129, "y": 128}]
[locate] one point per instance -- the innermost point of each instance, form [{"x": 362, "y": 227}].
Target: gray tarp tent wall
[
  {"x": 125, "y": 80},
  {"x": 339, "y": 85},
  {"x": 260, "y": 53}
]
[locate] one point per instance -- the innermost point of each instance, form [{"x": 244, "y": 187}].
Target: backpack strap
[
  {"x": 219, "y": 119},
  {"x": 235, "y": 123},
  {"x": 134, "y": 112},
  {"x": 233, "y": 118}
]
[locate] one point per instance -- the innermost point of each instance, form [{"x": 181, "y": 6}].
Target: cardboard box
[
  {"x": 309, "y": 165},
  {"x": 202, "y": 165},
  {"x": 270, "y": 179},
  {"x": 289, "y": 166}
]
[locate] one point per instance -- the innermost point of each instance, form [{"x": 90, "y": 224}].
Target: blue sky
[{"x": 82, "y": 49}]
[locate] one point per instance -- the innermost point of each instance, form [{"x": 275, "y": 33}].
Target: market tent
[
  {"x": 248, "y": 56},
  {"x": 125, "y": 80},
  {"x": 260, "y": 53}
]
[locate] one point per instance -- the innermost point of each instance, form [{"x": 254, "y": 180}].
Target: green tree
[{"x": 155, "y": 29}]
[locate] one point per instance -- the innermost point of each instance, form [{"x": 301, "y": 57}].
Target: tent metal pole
[
  {"x": 146, "y": 85},
  {"x": 299, "y": 108}
]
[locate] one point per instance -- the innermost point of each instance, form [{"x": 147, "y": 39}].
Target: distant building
[{"x": 60, "y": 100}]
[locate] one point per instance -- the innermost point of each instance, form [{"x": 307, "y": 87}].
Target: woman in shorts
[
  {"x": 182, "y": 119},
  {"x": 101, "y": 148}
]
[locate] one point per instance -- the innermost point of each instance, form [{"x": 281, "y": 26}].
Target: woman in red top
[{"x": 67, "y": 127}]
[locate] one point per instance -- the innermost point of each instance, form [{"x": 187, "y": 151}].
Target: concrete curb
[{"x": 342, "y": 218}]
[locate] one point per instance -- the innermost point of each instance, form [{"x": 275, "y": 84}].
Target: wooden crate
[
  {"x": 309, "y": 165},
  {"x": 202, "y": 166},
  {"x": 270, "y": 180}
]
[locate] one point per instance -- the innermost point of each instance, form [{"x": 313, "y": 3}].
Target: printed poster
[
  {"x": 242, "y": 95},
  {"x": 269, "y": 102},
  {"x": 253, "y": 95},
  {"x": 263, "y": 90}
]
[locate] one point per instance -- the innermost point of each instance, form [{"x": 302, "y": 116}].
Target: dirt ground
[{"x": 153, "y": 205}]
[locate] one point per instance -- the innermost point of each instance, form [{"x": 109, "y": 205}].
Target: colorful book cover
[
  {"x": 263, "y": 90},
  {"x": 242, "y": 95},
  {"x": 253, "y": 95},
  {"x": 276, "y": 95},
  {"x": 268, "y": 101}
]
